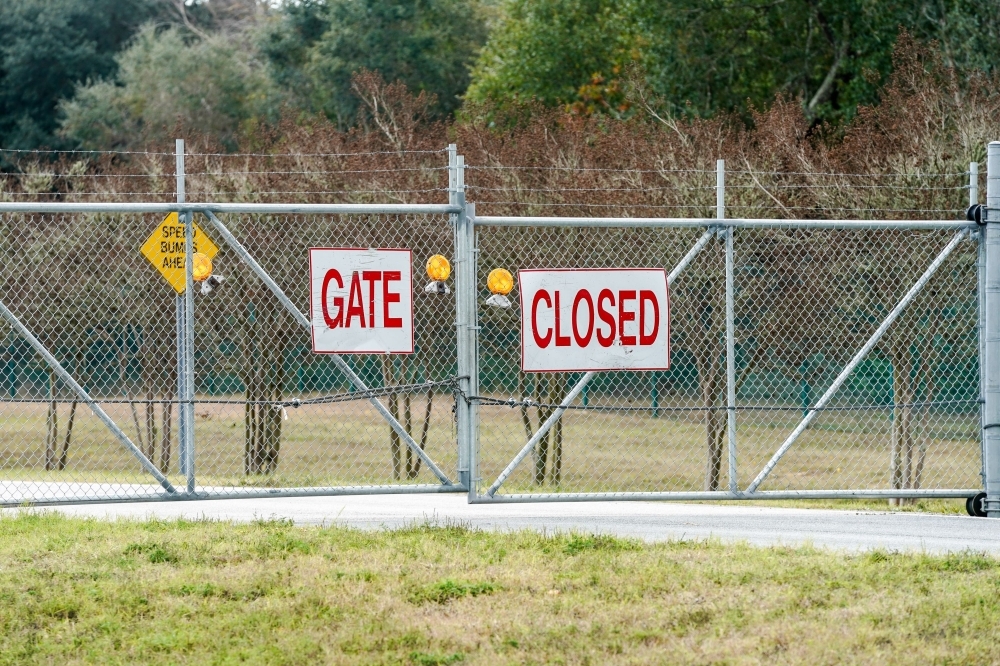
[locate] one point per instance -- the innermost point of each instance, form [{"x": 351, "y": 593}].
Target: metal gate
[
  {"x": 119, "y": 389},
  {"x": 811, "y": 358}
]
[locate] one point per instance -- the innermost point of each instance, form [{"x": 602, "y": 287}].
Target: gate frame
[
  {"x": 985, "y": 231},
  {"x": 988, "y": 270},
  {"x": 184, "y": 330}
]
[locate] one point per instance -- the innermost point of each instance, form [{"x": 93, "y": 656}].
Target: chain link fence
[
  {"x": 810, "y": 358},
  {"x": 805, "y": 302},
  {"x": 268, "y": 415}
]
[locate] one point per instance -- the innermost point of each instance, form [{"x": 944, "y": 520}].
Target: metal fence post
[
  {"x": 181, "y": 328},
  {"x": 185, "y": 357},
  {"x": 472, "y": 335},
  {"x": 189, "y": 348},
  {"x": 720, "y": 213},
  {"x": 464, "y": 297},
  {"x": 980, "y": 238},
  {"x": 990, "y": 354}
]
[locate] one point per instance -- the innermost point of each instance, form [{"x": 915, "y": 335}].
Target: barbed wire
[
  {"x": 436, "y": 151},
  {"x": 799, "y": 186},
  {"x": 599, "y": 169},
  {"x": 191, "y": 191},
  {"x": 713, "y": 171},
  {"x": 311, "y": 172},
  {"x": 196, "y": 191},
  {"x": 848, "y": 175},
  {"x": 82, "y": 152},
  {"x": 860, "y": 209},
  {"x": 618, "y": 205},
  {"x": 590, "y": 189},
  {"x": 729, "y": 208}
]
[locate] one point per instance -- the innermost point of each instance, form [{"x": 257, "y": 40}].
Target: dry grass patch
[{"x": 85, "y": 591}]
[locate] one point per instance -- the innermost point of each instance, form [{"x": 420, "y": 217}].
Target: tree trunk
[
  {"x": 51, "y": 425},
  {"x": 708, "y": 376},
  {"x": 425, "y": 429},
  {"x": 253, "y": 393},
  {"x": 389, "y": 380},
  {"x": 555, "y": 475},
  {"x": 135, "y": 422},
  {"x": 411, "y": 456},
  {"x": 150, "y": 418},
  {"x": 555, "y": 434},
  {"x": 902, "y": 435},
  {"x": 928, "y": 360},
  {"x": 522, "y": 390},
  {"x": 165, "y": 444},
  {"x": 79, "y": 368},
  {"x": 275, "y": 412},
  {"x": 249, "y": 422},
  {"x": 542, "y": 449},
  {"x": 69, "y": 435},
  {"x": 149, "y": 413}
]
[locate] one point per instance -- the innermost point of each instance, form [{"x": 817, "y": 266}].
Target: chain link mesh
[
  {"x": 269, "y": 414},
  {"x": 806, "y": 301},
  {"x": 79, "y": 284},
  {"x": 253, "y": 359}
]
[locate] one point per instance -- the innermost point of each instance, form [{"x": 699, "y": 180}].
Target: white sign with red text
[
  {"x": 361, "y": 301},
  {"x": 577, "y": 320}
]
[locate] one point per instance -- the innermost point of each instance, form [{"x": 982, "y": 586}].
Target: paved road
[{"x": 651, "y": 521}]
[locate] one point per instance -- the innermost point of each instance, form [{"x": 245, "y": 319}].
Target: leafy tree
[
  {"x": 548, "y": 49},
  {"x": 315, "y": 46},
  {"x": 210, "y": 85},
  {"x": 49, "y": 47},
  {"x": 702, "y": 56}
]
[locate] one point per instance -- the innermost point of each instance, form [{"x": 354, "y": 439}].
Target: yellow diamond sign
[{"x": 165, "y": 249}]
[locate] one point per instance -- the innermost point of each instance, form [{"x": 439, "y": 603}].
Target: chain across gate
[{"x": 811, "y": 358}]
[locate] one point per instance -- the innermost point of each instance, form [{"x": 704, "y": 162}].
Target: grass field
[
  {"x": 76, "y": 591},
  {"x": 348, "y": 444}
]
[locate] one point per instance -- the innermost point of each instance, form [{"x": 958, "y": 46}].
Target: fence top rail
[
  {"x": 244, "y": 208},
  {"x": 612, "y": 222},
  {"x": 480, "y": 221}
]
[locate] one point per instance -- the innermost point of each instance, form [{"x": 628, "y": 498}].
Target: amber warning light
[
  {"x": 500, "y": 283},
  {"x": 438, "y": 270}
]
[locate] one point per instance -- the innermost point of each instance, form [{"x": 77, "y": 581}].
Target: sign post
[{"x": 167, "y": 250}]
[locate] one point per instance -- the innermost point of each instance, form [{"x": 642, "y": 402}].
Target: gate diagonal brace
[
  {"x": 67, "y": 378},
  {"x": 580, "y": 385},
  {"x": 860, "y": 356},
  {"x": 338, "y": 360}
]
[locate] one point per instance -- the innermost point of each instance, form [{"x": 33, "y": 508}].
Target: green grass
[{"x": 85, "y": 591}]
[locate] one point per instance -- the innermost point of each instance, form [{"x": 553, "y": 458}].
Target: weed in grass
[
  {"x": 61, "y": 608},
  {"x": 447, "y": 590},
  {"x": 423, "y": 659},
  {"x": 155, "y": 553},
  {"x": 579, "y": 543}
]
